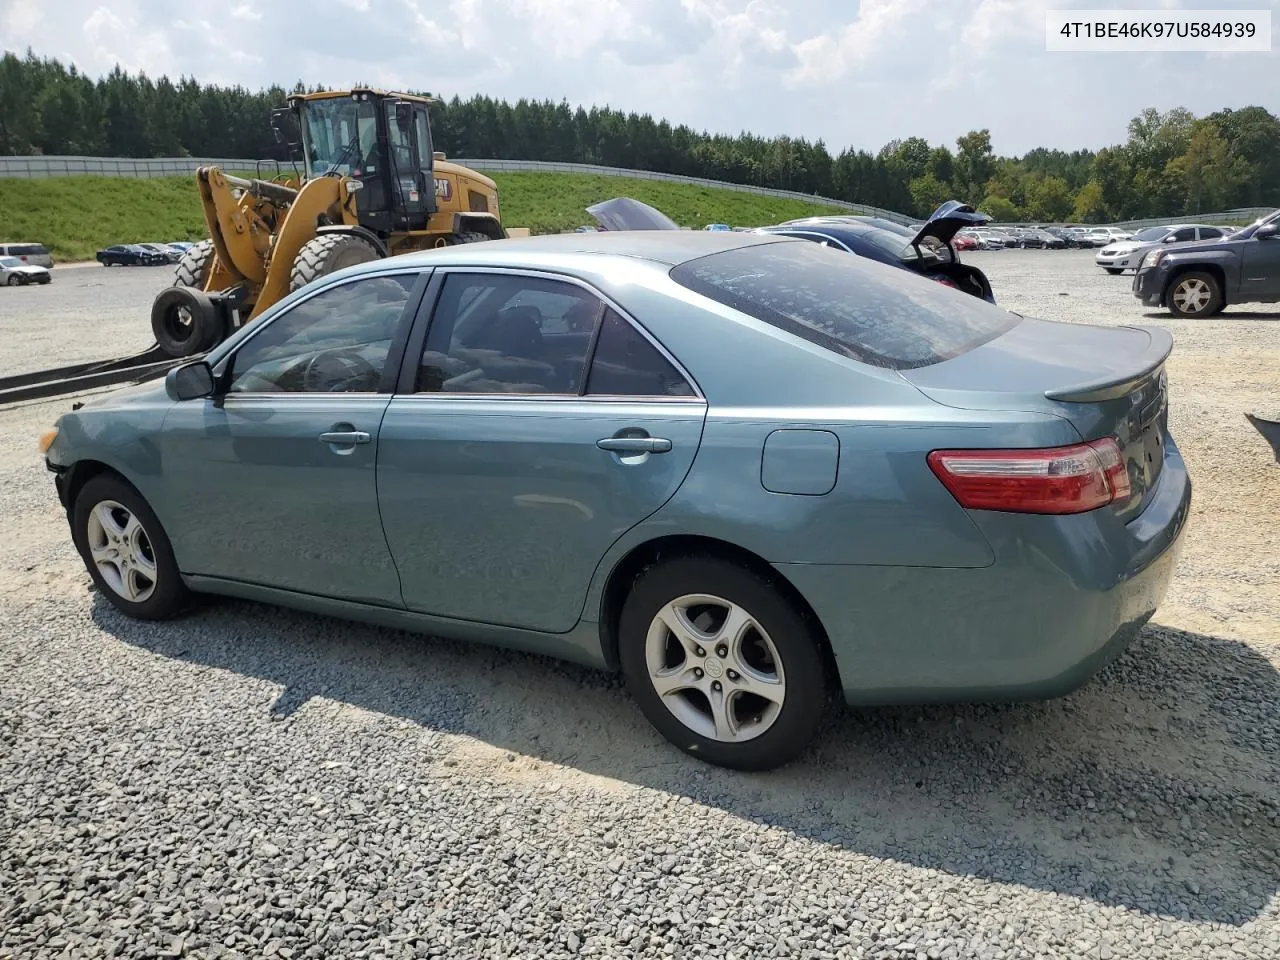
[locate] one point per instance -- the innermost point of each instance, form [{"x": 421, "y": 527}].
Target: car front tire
[
  {"x": 1113, "y": 270},
  {"x": 1194, "y": 294},
  {"x": 722, "y": 664},
  {"x": 126, "y": 550}
]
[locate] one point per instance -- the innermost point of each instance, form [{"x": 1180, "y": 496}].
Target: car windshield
[
  {"x": 10, "y": 262},
  {"x": 849, "y": 305},
  {"x": 1243, "y": 233},
  {"x": 1151, "y": 233}
]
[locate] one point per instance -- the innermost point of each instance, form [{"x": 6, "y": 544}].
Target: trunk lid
[
  {"x": 1105, "y": 381},
  {"x": 948, "y": 220}
]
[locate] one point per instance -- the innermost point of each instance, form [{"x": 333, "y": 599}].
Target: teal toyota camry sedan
[{"x": 747, "y": 471}]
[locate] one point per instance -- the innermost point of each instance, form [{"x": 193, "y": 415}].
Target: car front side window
[
  {"x": 337, "y": 341},
  {"x": 508, "y": 334}
]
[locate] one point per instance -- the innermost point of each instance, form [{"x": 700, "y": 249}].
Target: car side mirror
[
  {"x": 1267, "y": 231},
  {"x": 191, "y": 381}
]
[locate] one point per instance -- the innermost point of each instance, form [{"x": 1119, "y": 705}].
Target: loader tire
[
  {"x": 193, "y": 269},
  {"x": 326, "y": 254},
  {"x": 468, "y": 236}
]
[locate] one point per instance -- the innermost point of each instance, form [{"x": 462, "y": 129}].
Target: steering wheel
[{"x": 329, "y": 370}]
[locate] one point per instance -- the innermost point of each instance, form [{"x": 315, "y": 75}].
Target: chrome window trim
[{"x": 545, "y": 274}]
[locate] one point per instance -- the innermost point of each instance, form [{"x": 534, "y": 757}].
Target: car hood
[
  {"x": 948, "y": 220},
  {"x": 28, "y": 268},
  {"x": 624, "y": 213}
]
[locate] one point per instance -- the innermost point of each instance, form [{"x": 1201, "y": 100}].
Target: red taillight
[
  {"x": 1053, "y": 480},
  {"x": 947, "y": 283}
]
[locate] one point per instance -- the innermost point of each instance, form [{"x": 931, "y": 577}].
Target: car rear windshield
[{"x": 870, "y": 312}]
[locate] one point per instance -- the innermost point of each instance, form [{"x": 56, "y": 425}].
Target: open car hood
[
  {"x": 624, "y": 213},
  {"x": 948, "y": 220}
]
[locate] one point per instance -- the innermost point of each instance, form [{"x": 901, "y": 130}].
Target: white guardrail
[{"x": 45, "y": 166}]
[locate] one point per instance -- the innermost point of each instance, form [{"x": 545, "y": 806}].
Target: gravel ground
[
  {"x": 255, "y": 782},
  {"x": 89, "y": 312}
]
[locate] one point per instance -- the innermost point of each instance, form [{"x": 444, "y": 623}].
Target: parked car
[
  {"x": 15, "y": 273},
  {"x": 928, "y": 252},
  {"x": 130, "y": 255},
  {"x": 964, "y": 241},
  {"x": 1101, "y": 236},
  {"x": 1080, "y": 238},
  {"x": 824, "y": 469},
  {"x": 1127, "y": 254},
  {"x": 718, "y": 227},
  {"x": 1198, "y": 279},
  {"x": 36, "y": 254},
  {"x": 989, "y": 240},
  {"x": 164, "y": 249},
  {"x": 1047, "y": 240},
  {"x": 182, "y": 246}
]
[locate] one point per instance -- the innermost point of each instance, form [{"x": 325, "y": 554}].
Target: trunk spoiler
[{"x": 1112, "y": 387}]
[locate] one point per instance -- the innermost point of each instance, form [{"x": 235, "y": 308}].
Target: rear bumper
[{"x": 1064, "y": 596}]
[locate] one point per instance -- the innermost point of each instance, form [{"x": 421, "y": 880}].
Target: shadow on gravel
[
  {"x": 1226, "y": 315},
  {"x": 1155, "y": 788}
]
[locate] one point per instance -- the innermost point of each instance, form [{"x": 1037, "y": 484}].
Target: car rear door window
[
  {"x": 337, "y": 341},
  {"x": 627, "y": 364},
  {"x": 1210, "y": 233},
  {"x": 857, "y": 308},
  {"x": 508, "y": 334}
]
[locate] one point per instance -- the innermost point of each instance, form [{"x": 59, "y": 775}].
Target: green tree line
[{"x": 1172, "y": 163}]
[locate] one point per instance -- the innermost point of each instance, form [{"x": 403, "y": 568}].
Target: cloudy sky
[{"x": 852, "y": 72}]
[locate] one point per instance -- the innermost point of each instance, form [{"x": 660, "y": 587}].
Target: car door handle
[
  {"x": 345, "y": 436},
  {"x": 635, "y": 444}
]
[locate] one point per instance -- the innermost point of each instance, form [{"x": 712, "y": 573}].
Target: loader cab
[{"x": 381, "y": 140}]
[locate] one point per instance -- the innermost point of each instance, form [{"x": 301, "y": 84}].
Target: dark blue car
[{"x": 928, "y": 251}]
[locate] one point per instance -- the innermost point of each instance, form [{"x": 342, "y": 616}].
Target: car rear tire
[
  {"x": 126, "y": 550},
  {"x": 1194, "y": 294},
  {"x": 721, "y": 663},
  {"x": 1113, "y": 270}
]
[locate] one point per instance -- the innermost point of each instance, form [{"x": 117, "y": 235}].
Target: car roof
[{"x": 669, "y": 247}]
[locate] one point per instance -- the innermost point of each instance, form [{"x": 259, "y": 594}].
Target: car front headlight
[{"x": 1153, "y": 257}]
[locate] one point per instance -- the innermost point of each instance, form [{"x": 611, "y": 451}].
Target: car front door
[
  {"x": 532, "y": 428},
  {"x": 272, "y": 481},
  {"x": 1260, "y": 267}
]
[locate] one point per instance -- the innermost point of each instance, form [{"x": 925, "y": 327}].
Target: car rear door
[{"x": 533, "y": 425}]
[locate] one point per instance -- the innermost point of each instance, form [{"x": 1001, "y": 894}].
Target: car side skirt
[{"x": 580, "y": 645}]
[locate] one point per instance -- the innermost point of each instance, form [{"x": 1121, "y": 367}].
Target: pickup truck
[{"x": 1198, "y": 279}]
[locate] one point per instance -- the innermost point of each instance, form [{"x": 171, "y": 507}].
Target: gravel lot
[{"x": 260, "y": 783}]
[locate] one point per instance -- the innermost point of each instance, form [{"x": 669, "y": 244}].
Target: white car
[
  {"x": 14, "y": 273},
  {"x": 1101, "y": 236},
  {"x": 987, "y": 240},
  {"x": 1128, "y": 254}
]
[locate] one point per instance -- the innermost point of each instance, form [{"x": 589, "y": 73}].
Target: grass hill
[{"x": 75, "y": 216}]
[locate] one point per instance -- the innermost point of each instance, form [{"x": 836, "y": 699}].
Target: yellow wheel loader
[{"x": 373, "y": 187}]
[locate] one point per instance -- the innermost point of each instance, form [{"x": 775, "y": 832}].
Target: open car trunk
[{"x": 1106, "y": 381}]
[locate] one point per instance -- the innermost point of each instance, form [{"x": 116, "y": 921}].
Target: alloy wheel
[
  {"x": 1192, "y": 295},
  {"x": 715, "y": 668},
  {"x": 122, "y": 551}
]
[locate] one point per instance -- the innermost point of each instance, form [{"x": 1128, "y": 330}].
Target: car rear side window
[
  {"x": 626, "y": 364},
  {"x": 870, "y": 312}
]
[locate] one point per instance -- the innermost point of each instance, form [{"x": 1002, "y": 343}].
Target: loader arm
[
  {"x": 241, "y": 238},
  {"x": 327, "y": 197}
]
